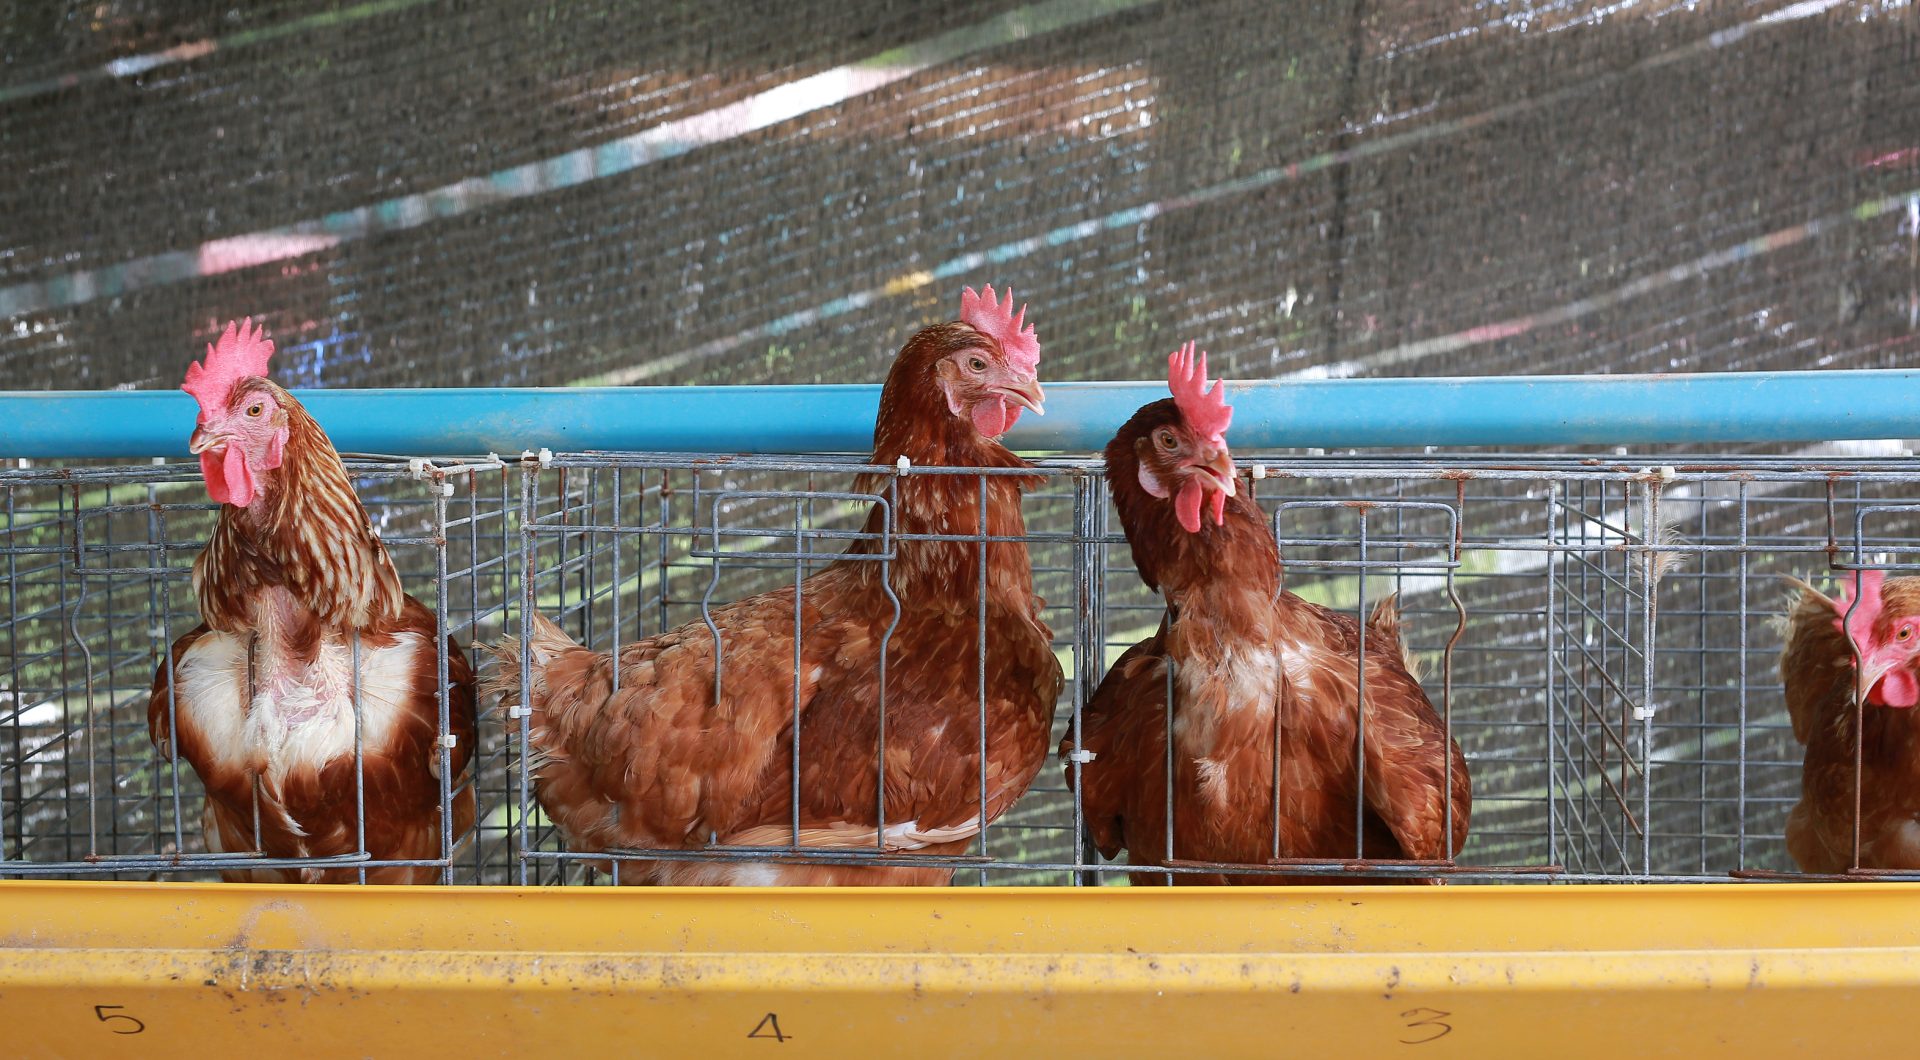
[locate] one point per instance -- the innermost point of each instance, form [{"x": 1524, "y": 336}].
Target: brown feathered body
[
  {"x": 1817, "y": 671},
  {"x": 301, "y": 609},
  {"x": 660, "y": 764},
  {"x": 1259, "y": 675}
]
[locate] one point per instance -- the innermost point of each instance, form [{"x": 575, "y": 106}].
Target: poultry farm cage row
[{"x": 1601, "y": 636}]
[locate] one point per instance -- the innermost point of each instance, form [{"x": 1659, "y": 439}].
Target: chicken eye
[
  {"x": 977, "y": 364},
  {"x": 1904, "y": 633},
  {"x": 255, "y": 409},
  {"x": 1168, "y": 441}
]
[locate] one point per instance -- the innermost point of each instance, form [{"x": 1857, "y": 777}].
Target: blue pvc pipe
[{"x": 1514, "y": 412}]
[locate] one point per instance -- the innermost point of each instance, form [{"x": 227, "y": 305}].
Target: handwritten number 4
[
  {"x": 101, "y": 1012},
  {"x": 769, "y": 1027},
  {"x": 1426, "y": 1025}
]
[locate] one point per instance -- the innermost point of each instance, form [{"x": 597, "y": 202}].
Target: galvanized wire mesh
[
  {"x": 98, "y": 564},
  {"x": 1601, "y": 635}
]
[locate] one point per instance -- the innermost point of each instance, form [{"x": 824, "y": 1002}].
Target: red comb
[
  {"x": 1860, "y": 626},
  {"x": 1206, "y": 411},
  {"x": 990, "y": 317},
  {"x": 242, "y": 352}
]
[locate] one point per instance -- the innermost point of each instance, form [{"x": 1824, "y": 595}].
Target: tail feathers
[
  {"x": 843, "y": 836},
  {"x": 547, "y": 639},
  {"x": 1384, "y": 623},
  {"x": 544, "y": 640},
  {"x": 1383, "y": 626}
]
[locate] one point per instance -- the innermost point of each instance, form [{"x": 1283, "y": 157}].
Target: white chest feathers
[
  {"x": 1244, "y": 680},
  {"x": 301, "y": 714}
]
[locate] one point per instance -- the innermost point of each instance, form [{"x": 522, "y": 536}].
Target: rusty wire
[{"x": 1612, "y": 683}]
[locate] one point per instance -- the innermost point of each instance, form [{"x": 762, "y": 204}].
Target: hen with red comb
[
  {"x": 997, "y": 319},
  {"x": 1850, "y": 670},
  {"x": 237, "y": 444},
  {"x": 1255, "y": 670},
  {"x": 241, "y": 353},
  {"x": 1205, "y": 410},
  {"x": 635, "y": 751},
  {"x": 1205, "y": 415},
  {"x": 992, "y": 385},
  {"x": 300, "y": 606}
]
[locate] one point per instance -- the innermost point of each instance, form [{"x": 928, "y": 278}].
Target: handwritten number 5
[
  {"x": 101, "y": 1012},
  {"x": 1426, "y": 1025}
]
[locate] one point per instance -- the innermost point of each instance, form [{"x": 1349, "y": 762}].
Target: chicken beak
[
  {"x": 1025, "y": 393},
  {"x": 1869, "y": 675},
  {"x": 204, "y": 439},
  {"x": 1218, "y": 464}
]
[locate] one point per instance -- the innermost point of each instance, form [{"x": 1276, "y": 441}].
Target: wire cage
[
  {"x": 1600, "y": 636},
  {"x": 99, "y": 585}
]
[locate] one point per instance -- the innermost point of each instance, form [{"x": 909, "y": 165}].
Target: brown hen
[
  {"x": 1822, "y": 682},
  {"x": 301, "y": 612},
  {"x": 1258, "y": 674},
  {"x": 660, "y": 764}
]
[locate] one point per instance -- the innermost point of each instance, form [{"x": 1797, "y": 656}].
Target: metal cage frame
[
  {"x": 1603, "y": 732},
  {"x": 1571, "y": 564}
]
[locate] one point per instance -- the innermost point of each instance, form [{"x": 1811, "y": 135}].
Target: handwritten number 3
[
  {"x": 1422, "y": 1020},
  {"x": 100, "y": 1012}
]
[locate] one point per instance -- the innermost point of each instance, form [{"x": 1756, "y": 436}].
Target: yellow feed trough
[{"x": 194, "y": 971}]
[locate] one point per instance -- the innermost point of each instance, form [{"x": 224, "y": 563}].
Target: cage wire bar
[{"x": 1599, "y": 634}]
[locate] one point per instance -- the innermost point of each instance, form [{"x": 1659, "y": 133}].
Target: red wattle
[
  {"x": 993, "y": 417},
  {"x": 1219, "y": 508},
  {"x": 1186, "y": 506},
  {"x": 1898, "y": 689},
  {"x": 216, "y": 478},
  {"x": 229, "y": 479}
]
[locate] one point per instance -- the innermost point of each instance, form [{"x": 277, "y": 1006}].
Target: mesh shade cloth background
[{"x": 417, "y": 193}]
